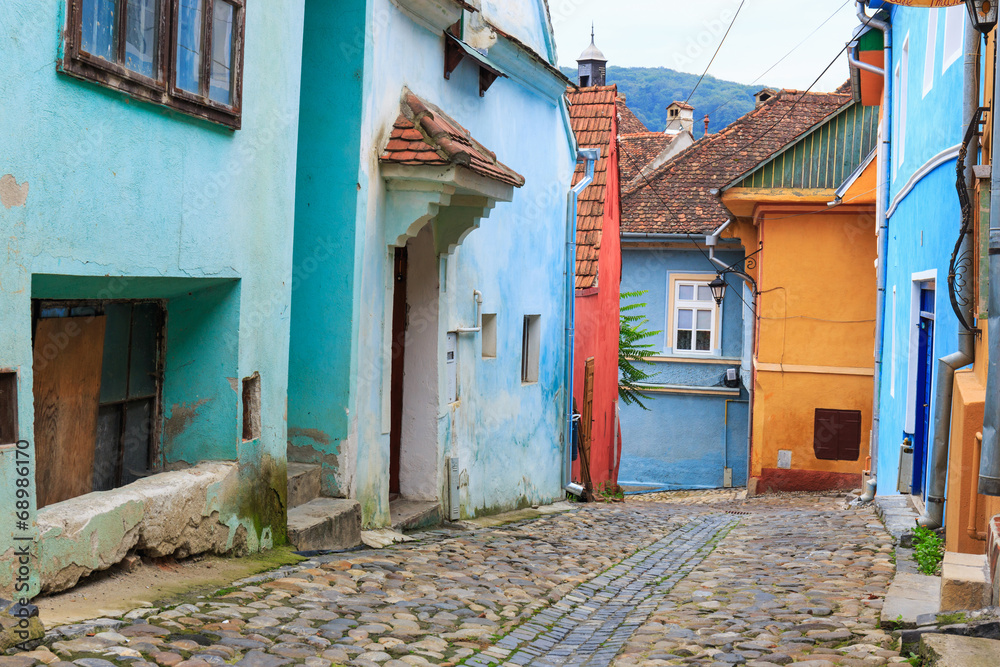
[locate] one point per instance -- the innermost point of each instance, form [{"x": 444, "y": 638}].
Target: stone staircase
[{"x": 316, "y": 523}]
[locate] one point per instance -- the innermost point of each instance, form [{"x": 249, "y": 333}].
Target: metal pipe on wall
[
  {"x": 933, "y": 516},
  {"x": 989, "y": 461},
  {"x": 590, "y": 155}
]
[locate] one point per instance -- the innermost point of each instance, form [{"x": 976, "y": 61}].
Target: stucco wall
[{"x": 118, "y": 188}]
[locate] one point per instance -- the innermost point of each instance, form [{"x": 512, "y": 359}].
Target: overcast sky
[{"x": 683, "y": 34}]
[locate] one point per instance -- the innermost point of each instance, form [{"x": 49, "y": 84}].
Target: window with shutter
[{"x": 837, "y": 435}]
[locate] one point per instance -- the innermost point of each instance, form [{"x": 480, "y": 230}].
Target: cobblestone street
[{"x": 672, "y": 579}]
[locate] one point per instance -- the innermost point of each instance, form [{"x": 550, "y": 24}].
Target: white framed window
[
  {"x": 954, "y": 34},
  {"x": 530, "y": 344},
  {"x": 931, "y": 52},
  {"x": 901, "y": 96},
  {"x": 694, "y": 318}
]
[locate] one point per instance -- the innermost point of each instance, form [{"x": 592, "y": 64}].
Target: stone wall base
[{"x": 778, "y": 479}]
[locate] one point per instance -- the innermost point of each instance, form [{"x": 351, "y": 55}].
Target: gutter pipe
[
  {"x": 989, "y": 461},
  {"x": 590, "y": 155},
  {"x": 933, "y": 516},
  {"x": 882, "y": 205}
]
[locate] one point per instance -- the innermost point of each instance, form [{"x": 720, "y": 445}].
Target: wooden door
[
  {"x": 398, "y": 355},
  {"x": 587, "y": 426},
  {"x": 67, "y": 369}
]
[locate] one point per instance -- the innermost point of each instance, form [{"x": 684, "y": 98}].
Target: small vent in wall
[{"x": 454, "y": 513}]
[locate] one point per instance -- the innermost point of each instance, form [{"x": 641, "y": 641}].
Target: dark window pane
[
  {"x": 220, "y": 85},
  {"x": 189, "y": 24},
  {"x": 107, "y": 447},
  {"x": 97, "y": 28},
  {"x": 114, "y": 367},
  {"x": 703, "y": 340},
  {"x": 683, "y": 340},
  {"x": 141, "y": 18},
  {"x": 138, "y": 433},
  {"x": 142, "y": 369}
]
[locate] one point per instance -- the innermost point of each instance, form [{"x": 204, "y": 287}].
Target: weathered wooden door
[
  {"x": 68, "y": 352},
  {"x": 398, "y": 357},
  {"x": 587, "y": 425}
]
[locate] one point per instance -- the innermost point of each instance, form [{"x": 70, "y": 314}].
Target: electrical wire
[{"x": 717, "y": 49}]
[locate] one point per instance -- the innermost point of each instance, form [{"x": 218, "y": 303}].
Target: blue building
[
  {"x": 145, "y": 290},
  {"x": 428, "y": 359}
]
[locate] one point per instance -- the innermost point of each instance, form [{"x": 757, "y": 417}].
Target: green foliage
[
  {"x": 608, "y": 492},
  {"x": 631, "y": 349},
  {"x": 649, "y": 90},
  {"x": 928, "y": 550}
]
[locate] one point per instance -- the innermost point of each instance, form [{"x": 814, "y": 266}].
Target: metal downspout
[
  {"x": 933, "y": 516},
  {"x": 591, "y": 155},
  {"x": 989, "y": 461},
  {"x": 883, "y": 223}
]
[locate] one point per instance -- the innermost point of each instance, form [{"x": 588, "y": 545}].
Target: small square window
[
  {"x": 184, "y": 54},
  {"x": 251, "y": 407},
  {"x": 837, "y": 435},
  {"x": 489, "y": 335},
  {"x": 8, "y": 407},
  {"x": 530, "y": 340},
  {"x": 694, "y": 317}
]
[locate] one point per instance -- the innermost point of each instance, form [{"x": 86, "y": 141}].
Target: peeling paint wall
[{"x": 130, "y": 200}]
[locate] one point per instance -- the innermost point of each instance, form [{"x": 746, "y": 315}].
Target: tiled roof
[
  {"x": 637, "y": 150},
  {"x": 423, "y": 135},
  {"x": 681, "y": 105},
  {"x": 592, "y": 113},
  {"x": 687, "y": 181},
  {"x": 628, "y": 123}
]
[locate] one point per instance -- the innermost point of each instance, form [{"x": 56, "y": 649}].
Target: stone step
[
  {"x": 955, "y": 651},
  {"x": 303, "y": 483},
  {"x": 965, "y": 581},
  {"x": 325, "y": 523},
  {"x": 414, "y": 514}
]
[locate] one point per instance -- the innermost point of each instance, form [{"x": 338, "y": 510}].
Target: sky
[{"x": 682, "y": 35}]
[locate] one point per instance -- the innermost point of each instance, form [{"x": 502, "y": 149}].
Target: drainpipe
[
  {"x": 882, "y": 206},
  {"x": 591, "y": 155},
  {"x": 712, "y": 240},
  {"x": 933, "y": 516},
  {"x": 477, "y": 298},
  {"x": 989, "y": 462}
]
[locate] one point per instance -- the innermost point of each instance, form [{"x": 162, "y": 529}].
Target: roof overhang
[{"x": 435, "y": 15}]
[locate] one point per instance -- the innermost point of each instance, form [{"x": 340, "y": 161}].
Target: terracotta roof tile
[
  {"x": 639, "y": 149},
  {"x": 628, "y": 122},
  {"x": 678, "y": 196},
  {"x": 593, "y": 115},
  {"x": 423, "y": 135}
]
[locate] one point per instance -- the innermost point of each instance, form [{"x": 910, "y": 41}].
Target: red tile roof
[
  {"x": 639, "y": 149},
  {"x": 592, "y": 113},
  {"x": 423, "y": 135},
  {"x": 681, "y": 196},
  {"x": 628, "y": 123}
]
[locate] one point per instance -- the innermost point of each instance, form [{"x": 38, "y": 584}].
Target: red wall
[{"x": 597, "y": 312}]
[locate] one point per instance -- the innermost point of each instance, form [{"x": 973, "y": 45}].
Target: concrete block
[
  {"x": 325, "y": 523},
  {"x": 910, "y": 600},
  {"x": 414, "y": 514},
  {"x": 965, "y": 582},
  {"x": 304, "y": 481},
  {"x": 957, "y": 651}
]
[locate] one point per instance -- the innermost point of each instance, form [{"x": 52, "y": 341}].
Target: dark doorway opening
[
  {"x": 398, "y": 365},
  {"x": 925, "y": 376}
]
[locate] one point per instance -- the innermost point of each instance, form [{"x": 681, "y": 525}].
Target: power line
[{"x": 717, "y": 49}]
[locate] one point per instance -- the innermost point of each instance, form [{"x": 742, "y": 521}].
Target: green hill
[{"x": 650, "y": 89}]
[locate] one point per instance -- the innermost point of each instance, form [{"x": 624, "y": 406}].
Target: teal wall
[{"x": 127, "y": 199}]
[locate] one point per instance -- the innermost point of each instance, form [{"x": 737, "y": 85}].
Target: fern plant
[{"x": 632, "y": 350}]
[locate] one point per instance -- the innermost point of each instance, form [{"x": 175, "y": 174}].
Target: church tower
[{"x": 592, "y": 65}]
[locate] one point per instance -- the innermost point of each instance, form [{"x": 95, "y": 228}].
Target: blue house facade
[
  {"x": 145, "y": 291},
  {"x": 923, "y": 116},
  {"x": 428, "y": 355}
]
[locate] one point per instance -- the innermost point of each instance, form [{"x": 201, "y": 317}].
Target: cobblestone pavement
[{"x": 725, "y": 580}]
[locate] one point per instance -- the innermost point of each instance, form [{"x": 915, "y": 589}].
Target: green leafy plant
[
  {"x": 631, "y": 349},
  {"x": 928, "y": 550},
  {"x": 608, "y": 492}
]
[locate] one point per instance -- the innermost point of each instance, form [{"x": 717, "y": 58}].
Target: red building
[{"x": 598, "y": 278}]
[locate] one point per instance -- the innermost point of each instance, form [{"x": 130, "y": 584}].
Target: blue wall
[
  {"x": 924, "y": 226},
  {"x": 696, "y": 428}
]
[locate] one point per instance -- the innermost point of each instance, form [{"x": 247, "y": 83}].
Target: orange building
[{"x": 810, "y": 212}]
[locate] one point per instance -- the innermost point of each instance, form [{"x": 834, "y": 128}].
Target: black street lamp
[
  {"x": 718, "y": 287},
  {"x": 983, "y": 14}
]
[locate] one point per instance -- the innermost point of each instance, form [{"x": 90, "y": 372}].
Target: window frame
[
  {"x": 160, "y": 89},
  {"x": 676, "y": 305}
]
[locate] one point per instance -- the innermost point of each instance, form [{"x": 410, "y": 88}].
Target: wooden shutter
[{"x": 837, "y": 435}]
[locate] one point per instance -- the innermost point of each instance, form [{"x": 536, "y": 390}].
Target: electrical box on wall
[
  {"x": 451, "y": 366},
  {"x": 454, "y": 511}
]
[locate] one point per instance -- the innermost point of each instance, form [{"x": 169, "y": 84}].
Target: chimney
[
  {"x": 706, "y": 124},
  {"x": 680, "y": 118},
  {"x": 763, "y": 96}
]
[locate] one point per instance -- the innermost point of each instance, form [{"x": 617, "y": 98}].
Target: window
[
  {"x": 251, "y": 407},
  {"x": 529, "y": 348},
  {"x": 184, "y": 54},
  {"x": 694, "y": 314},
  {"x": 837, "y": 435},
  {"x": 489, "y": 335},
  {"x": 932, "y": 23},
  {"x": 954, "y": 28},
  {"x": 901, "y": 94},
  {"x": 8, "y": 407}
]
